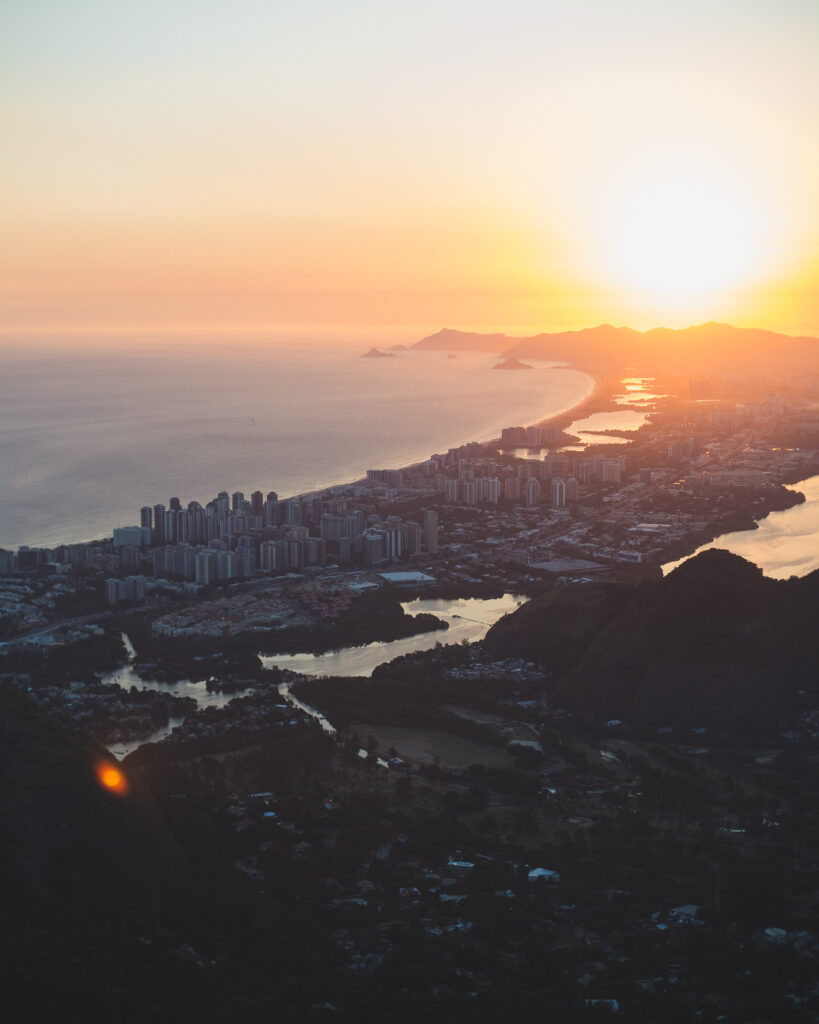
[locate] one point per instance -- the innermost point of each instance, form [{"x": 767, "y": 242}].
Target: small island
[
  {"x": 376, "y": 353},
  {"x": 512, "y": 364}
]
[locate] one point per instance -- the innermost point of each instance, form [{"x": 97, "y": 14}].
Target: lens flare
[{"x": 111, "y": 778}]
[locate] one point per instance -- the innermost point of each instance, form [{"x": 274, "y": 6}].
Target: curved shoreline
[{"x": 566, "y": 412}]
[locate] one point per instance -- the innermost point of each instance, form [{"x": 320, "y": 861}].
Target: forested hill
[
  {"x": 111, "y": 915},
  {"x": 51, "y": 798},
  {"x": 82, "y": 872},
  {"x": 715, "y": 643}
]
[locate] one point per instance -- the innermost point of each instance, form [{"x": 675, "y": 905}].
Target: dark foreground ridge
[
  {"x": 662, "y": 867},
  {"x": 116, "y": 911}
]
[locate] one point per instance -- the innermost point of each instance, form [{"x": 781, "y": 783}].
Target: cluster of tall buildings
[
  {"x": 474, "y": 474},
  {"x": 132, "y": 588},
  {"x": 554, "y": 480},
  {"x": 530, "y": 437},
  {"x": 234, "y": 538},
  {"x": 90, "y": 555},
  {"x": 223, "y": 518}
]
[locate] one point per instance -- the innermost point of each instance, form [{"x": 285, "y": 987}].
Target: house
[
  {"x": 686, "y": 914},
  {"x": 460, "y": 867},
  {"x": 543, "y": 875}
]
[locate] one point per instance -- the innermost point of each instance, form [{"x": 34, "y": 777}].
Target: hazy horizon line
[{"x": 337, "y": 333}]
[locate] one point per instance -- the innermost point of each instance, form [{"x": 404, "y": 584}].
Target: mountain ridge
[{"x": 610, "y": 347}]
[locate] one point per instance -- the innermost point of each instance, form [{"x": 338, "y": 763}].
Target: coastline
[
  {"x": 599, "y": 400},
  {"x": 604, "y": 393},
  {"x": 102, "y": 531},
  {"x": 567, "y": 414}
]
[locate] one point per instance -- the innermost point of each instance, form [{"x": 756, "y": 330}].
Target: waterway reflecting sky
[{"x": 785, "y": 543}]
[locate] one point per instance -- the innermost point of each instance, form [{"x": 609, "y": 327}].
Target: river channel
[
  {"x": 469, "y": 620},
  {"x": 784, "y": 544}
]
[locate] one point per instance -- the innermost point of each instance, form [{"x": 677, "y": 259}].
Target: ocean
[{"x": 87, "y": 439}]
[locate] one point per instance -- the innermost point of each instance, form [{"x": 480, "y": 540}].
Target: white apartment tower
[{"x": 531, "y": 492}]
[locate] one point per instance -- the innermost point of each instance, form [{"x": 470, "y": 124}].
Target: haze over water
[{"x": 86, "y": 440}]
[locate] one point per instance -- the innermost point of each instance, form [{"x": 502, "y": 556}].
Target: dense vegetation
[
  {"x": 279, "y": 875},
  {"x": 713, "y": 644}
]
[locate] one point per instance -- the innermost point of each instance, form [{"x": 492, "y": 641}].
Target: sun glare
[
  {"x": 678, "y": 238},
  {"x": 112, "y": 778}
]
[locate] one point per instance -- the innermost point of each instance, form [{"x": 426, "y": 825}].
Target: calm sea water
[{"x": 86, "y": 440}]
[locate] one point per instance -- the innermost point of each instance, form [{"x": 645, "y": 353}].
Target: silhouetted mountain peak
[
  {"x": 713, "y": 643},
  {"x": 716, "y": 564}
]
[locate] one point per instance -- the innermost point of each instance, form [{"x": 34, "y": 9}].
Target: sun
[{"x": 682, "y": 236}]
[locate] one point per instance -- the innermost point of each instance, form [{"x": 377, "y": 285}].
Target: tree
[{"x": 403, "y": 787}]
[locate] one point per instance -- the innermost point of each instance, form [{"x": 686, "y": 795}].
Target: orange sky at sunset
[{"x": 517, "y": 167}]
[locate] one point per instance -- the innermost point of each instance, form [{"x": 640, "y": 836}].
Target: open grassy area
[{"x": 424, "y": 745}]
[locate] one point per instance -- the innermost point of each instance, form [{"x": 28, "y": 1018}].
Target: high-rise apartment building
[
  {"x": 511, "y": 488},
  {"x": 490, "y": 490},
  {"x": 133, "y": 536},
  {"x": 531, "y": 492},
  {"x": 270, "y": 511},
  {"x": 159, "y": 524},
  {"x": 373, "y": 547},
  {"x": 431, "y": 531},
  {"x": 207, "y": 567}
]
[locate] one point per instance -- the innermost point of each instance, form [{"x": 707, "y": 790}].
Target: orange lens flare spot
[{"x": 112, "y": 778}]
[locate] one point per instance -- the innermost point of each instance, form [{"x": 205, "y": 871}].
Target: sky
[{"x": 196, "y": 165}]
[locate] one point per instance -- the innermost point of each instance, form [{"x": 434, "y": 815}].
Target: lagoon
[
  {"x": 784, "y": 544},
  {"x": 469, "y": 621}
]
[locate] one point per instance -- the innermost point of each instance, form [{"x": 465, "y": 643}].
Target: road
[{"x": 43, "y": 630}]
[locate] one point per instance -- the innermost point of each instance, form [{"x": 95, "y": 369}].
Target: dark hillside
[
  {"x": 554, "y": 629},
  {"x": 105, "y": 918},
  {"x": 714, "y": 643}
]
